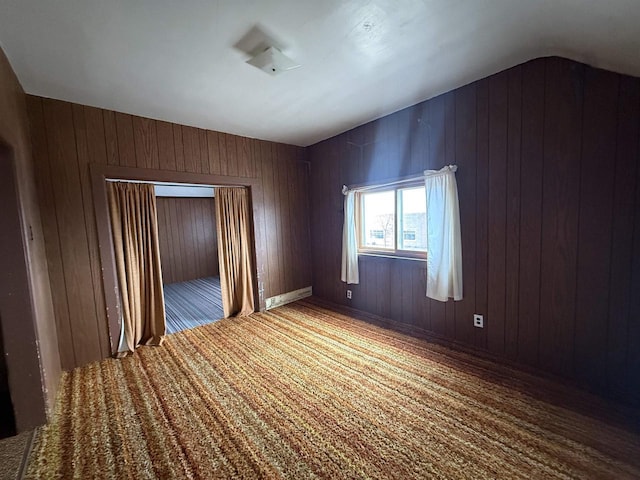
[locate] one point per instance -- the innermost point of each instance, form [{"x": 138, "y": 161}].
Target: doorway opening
[
  {"x": 189, "y": 255},
  {"x": 239, "y": 215}
]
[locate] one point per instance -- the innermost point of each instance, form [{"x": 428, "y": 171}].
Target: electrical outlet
[
  {"x": 478, "y": 321},
  {"x": 349, "y": 294}
]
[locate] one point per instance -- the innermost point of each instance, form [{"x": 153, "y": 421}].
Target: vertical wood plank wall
[
  {"x": 68, "y": 137},
  {"x": 549, "y": 186},
  {"x": 33, "y": 390},
  {"x": 188, "y": 240}
]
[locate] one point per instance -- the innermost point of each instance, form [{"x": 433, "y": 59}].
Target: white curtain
[
  {"x": 349, "y": 241},
  {"x": 444, "y": 245}
]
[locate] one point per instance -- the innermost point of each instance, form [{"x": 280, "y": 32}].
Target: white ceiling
[{"x": 183, "y": 61}]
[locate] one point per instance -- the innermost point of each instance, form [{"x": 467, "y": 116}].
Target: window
[{"x": 393, "y": 221}]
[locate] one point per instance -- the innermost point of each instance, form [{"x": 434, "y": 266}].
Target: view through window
[{"x": 394, "y": 221}]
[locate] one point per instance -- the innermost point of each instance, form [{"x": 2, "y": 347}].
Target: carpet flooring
[
  {"x": 193, "y": 303},
  {"x": 304, "y": 392},
  {"x": 13, "y": 455}
]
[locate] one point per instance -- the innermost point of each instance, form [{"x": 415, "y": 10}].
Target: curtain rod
[
  {"x": 398, "y": 181},
  {"x": 171, "y": 184},
  {"x": 385, "y": 183}
]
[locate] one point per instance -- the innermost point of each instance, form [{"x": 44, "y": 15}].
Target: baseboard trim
[{"x": 284, "y": 298}]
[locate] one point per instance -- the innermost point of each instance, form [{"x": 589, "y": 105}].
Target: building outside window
[{"x": 393, "y": 221}]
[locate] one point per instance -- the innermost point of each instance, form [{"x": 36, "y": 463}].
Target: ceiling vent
[{"x": 272, "y": 61}]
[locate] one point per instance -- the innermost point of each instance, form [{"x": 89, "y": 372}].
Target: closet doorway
[
  {"x": 189, "y": 255},
  {"x": 239, "y": 199}
]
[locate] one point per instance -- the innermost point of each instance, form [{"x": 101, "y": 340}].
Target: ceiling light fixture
[{"x": 272, "y": 61}]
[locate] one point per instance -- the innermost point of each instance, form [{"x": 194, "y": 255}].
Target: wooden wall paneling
[
  {"x": 146, "y": 142},
  {"x": 191, "y": 146},
  {"x": 186, "y": 219},
  {"x": 166, "y": 148},
  {"x": 335, "y": 227},
  {"x": 82, "y": 148},
  {"x": 332, "y": 208},
  {"x": 163, "y": 240},
  {"x": 563, "y": 104},
  {"x": 383, "y": 287},
  {"x": 294, "y": 204},
  {"x": 263, "y": 268},
  {"x": 282, "y": 250},
  {"x": 396, "y": 295},
  {"x": 178, "y": 240},
  {"x": 512, "y": 240},
  {"x": 272, "y": 237},
  {"x": 321, "y": 229},
  {"x": 413, "y": 311},
  {"x": 201, "y": 249},
  {"x": 72, "y": 230},
  {"x": 482, "y": 212},
  {"x": 212, "y": 236},
  {"x": 192, "y": 254},
  {"x": 498, "y": 118},
  {"x": 277, "y": 206},
  {"x": 418, "y": 139},
  {"x": 367, "y": 285},
  {"x": 178, "y": 148},
  {"x": 213, "y": 152},
  {"x": 208, "y": 237},
  {"x": 97, "y": 153},
  {"x": 595, "y": 224},
  {"x": 530, "y": 213},
  {"x": 402, "y": 133},
  {"x": 126, "y": 141},
  {"x": 620, "y": 294},
  {"x": 175, "y": 262},
  {"x": 316, "y": 213},
  {"x": 465, "y": 154},
  {"x": 426, "y": 305},
  {"x": 251, "y": 145},
  {"x": 204, "y": 151},
  {"x": 353, "y": 150},
  {"x": 111, "y": 137},
  {"x": 189, "y": 236},
  {"x": 242, "y": 155},
  {"x": 74, "y": 136},
  {"x": 96, "y": 138},
  {"x": 198, "y": 244},
  {"x": 163, "y": 244},
  {"x": 409, "y": 304},
  {"x": 533, "y": 81},
  {"x": 302, "y": 209},
  {"x": 222, "y": 151},
  {"x": 436, "y": 161},
  {"x": 198, "y": 233},
  {"x": 48, "y": 215},
  {"x": 232, "y": 154},
  {"x": 284, "y": 167}
]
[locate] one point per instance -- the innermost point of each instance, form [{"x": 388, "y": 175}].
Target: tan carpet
[{"x": 301, "y": 392}]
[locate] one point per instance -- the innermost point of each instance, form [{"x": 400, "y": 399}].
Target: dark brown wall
[
  {"x": 549, "y": 185},
  {"x": 68, "y": 137},
  {"x": 35, "y": 337},
  {"x": 188, "y": 240}
]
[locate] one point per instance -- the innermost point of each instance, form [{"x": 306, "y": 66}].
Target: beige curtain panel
[
  {"x": 134, "y": 226},
  {"x": 234, "y": 250}
]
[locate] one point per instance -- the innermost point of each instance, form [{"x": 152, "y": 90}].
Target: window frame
[{"x": 382, "y": 251}]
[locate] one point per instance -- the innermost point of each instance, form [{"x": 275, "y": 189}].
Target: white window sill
[{"x": 390, "y": 255}]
